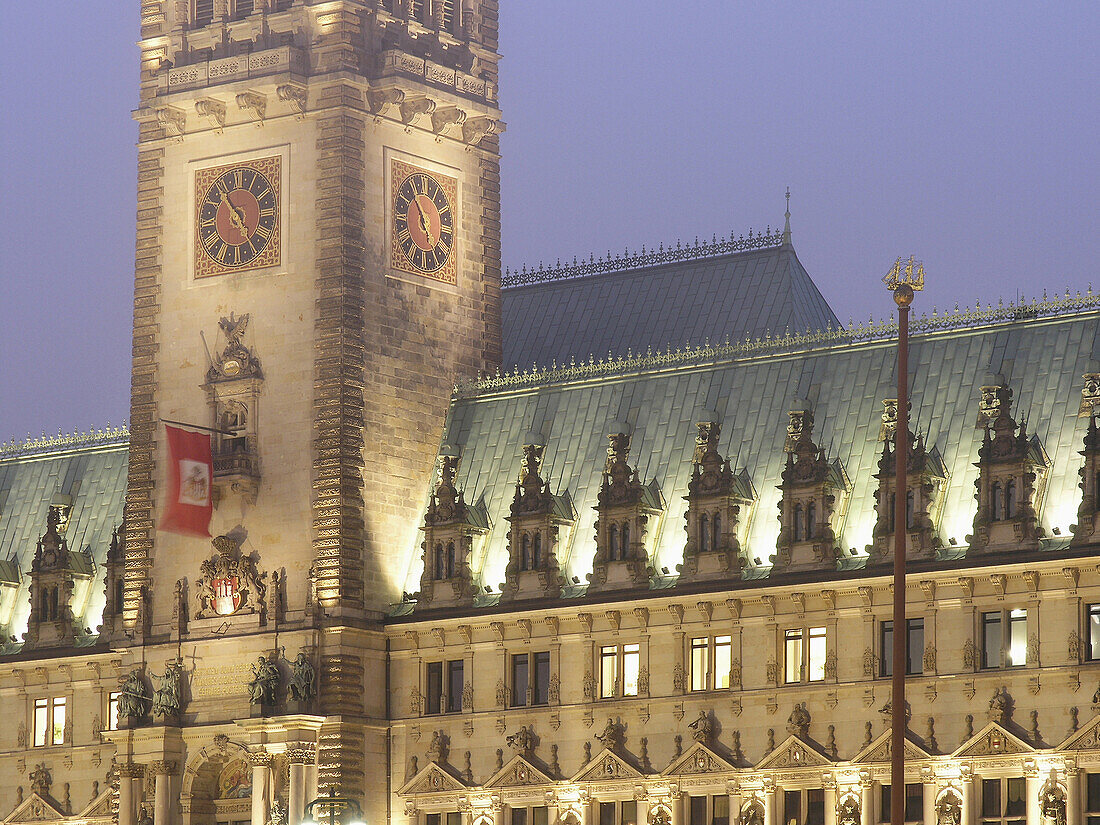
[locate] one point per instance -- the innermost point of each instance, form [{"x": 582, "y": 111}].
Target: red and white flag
[{"x": 189, "y": 504}]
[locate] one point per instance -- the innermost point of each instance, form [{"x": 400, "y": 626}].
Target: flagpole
[{"x": 196, "y": 427}]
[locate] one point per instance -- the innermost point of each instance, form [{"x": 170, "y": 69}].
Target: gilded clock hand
[
  {"x": 425, "y": 224},
  {"x": 236, "y": 216}
]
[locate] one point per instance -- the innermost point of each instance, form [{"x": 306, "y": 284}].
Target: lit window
[
  {"x": 49, "y": 721},
  {"x": 711, "y": 661},
  {"x": 914, "y": 647},
  {"x": 615, "y": 659},
  {"x": 1093, "y": 633},
  {"x": 816, "y": 663},
  {"x": 805, "y": 652},
  {"x": 792, "y": 656},
  {"x": 1004, "y": 638},
  {"x": 112, "y": 710}
]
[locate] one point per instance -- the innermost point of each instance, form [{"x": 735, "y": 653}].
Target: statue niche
[
  {"x": 229, "y": 584},
  {"x": 625, "y": 507},
  {"x": 233, "y": 384},
  {"x": 719, "y": 507},
  {"x": 926, "y": 477},
  {"x": 814, "y": 502},
  {"x": 450, "y": 527},
  {"x": 1012, "y": 475},
  {"x": 536, "y": 519}
]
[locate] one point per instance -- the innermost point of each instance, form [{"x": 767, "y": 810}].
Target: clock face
[
  {"x": 237, "y": 217},
  {"x": 423, "y": 238}
]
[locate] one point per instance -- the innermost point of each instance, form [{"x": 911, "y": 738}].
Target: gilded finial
[{"x": 904, "y": 279}]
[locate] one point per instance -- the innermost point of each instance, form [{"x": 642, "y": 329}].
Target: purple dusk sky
[{"x": 965, "y": 133}]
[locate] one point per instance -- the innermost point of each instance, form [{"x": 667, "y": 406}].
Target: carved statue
[
  {"x": 701, "y": 728},
  {"x": 264, "y": 686},
  {"x": 166, "y": 698},
  {"x": 437, "y": 749},
  {"x": 278, "y": 813},
  {"x": 133, "y": 701},
  {"x": 660, "y": 816},
  {"x": 948, "y": 810},
  {"x": 752, "y": 814},
  {"x": 41, "y": 780},
  {"x": 612, "y": 736},
  {"x": 145, "y": 818},
  {"x": 848, "y": 813},
  {"x": 798, "y": 723},
  {"x": 522, "y": 741},
  {"x": 303, "y": 679},
  {"x": 1052, "y": 800},
  {"x": 1000, "y": 706}
]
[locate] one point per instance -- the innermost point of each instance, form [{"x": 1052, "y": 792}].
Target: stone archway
[{"x": 217, "y": 785}]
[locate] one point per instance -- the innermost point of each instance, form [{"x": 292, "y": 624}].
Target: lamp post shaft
[{"x": 900, "y": 634}]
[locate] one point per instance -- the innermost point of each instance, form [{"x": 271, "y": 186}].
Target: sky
[{"x": 963, "y": 133}]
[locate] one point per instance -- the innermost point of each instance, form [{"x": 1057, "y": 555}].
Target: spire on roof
[{"x": 787, "y": 225}]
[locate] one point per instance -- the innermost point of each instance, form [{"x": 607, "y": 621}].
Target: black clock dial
[{"x": 423, "y": 222}]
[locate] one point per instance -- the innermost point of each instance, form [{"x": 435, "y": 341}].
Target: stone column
[
  {"x": 770, "y": 813},
  {"x": 130, "y": 775},
  {"x": 830, "y": 793},
  {"x": 261, "y": 767},
  {"x": 867, "y": 801},
  {"x": 677, "y": 806},
  {"x": 967, "y": 788},
  {"x": 735, "y": 802},
  {"x": 929, "y": 799},
  {"x": 1034, "y": 783},
  {"x": 163, "y": 809},
  {"x": 643, "y": 808},
  {"x": 300, "y": 760},
  {"x": 1073, "y": 795}
]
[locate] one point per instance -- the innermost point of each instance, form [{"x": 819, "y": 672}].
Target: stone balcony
[
  {"x": 198, "y": 75},
  {"x": 394, "y": 64}
]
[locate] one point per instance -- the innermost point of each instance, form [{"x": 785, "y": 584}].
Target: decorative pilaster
[
  {"x": 300, "y": 758},
  {"x": 261, "y": 773},
  {"x": 163, "y": 770}
]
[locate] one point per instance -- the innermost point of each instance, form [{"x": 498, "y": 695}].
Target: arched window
[
  {"x": 613, "y": 543},
  {"x": 536, "y": 553},
  {"x": 997, "y": 501},
  {"x": 797, "y": 519},
  {"x": 450, "y": 560},
  {"x": 909, "y": 508},
  {"x": 704, "y": 533},
  {"x": 624, "y": 538},
  {"x": 525, "y": 551},
  {"x": 716, "y": 533},
  {"x": 1010, "y": 499},
  {"x": 440, "y": 562},
  {"x": 811, "y": 520}
]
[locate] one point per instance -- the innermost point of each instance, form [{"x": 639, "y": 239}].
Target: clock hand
[
  {"x": 425, "y": 225},
  {"x": 235, "y": 216}
]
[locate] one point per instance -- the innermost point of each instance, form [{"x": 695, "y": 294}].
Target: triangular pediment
[
  {"x": 34, "y": 809},
  {"x": 1087, "y": 738},
  {"x": 517, "y": 774},
  {"x": 993, "y": 740},
  {"x": 795, "y": 752},
  {"x": 606, "y": 765},
  {"x": 698, "y": 759},
  {"x": 98, "y": 808},
  {"x": 433, "y": 779},
  {"x": 879, "y": 751}
]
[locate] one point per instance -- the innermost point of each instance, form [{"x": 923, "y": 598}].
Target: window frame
[
  {"x": 914, "y": 653},
  {"x": 615, "y": 806},
  {"x": 618, "y": 659},
  {"x": 804, "y": 815},
  {"x": 914, "y": 795},
  {"x": 438, "y": 687},
  {"x": 811, "y": 660},
  {"x": 709, "y": 809},
  {"x": 48, "y": 727},
  {"x": 1092, "y": 647},
  {"x": 1003, "y": 801},
  {"x": 703, "y": 651},
  {"x": 536, "y": 692},
  {"x": 1009, "y": 622}
]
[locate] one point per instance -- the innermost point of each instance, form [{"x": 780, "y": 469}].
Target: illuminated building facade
[{"x": 643, "y": 587}]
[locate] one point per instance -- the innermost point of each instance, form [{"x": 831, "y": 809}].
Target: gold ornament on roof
[{"x": 905, "y": 279}]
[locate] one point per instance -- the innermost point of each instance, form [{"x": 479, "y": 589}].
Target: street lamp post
[
  {"x": 340, "y": 809},
  {"x": 904, "y": 282}
]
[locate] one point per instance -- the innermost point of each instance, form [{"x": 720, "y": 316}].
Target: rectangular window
[
  {"x": 58, "y": 722},
  {"x": 454, "y": 818},
  {"x": 631, "y": 669},
  {"x": 1093, "y": 633},
  {"x": 914, "y": 647},
  {"x": 914, "y": 803},
  {"x": 792, "y": 656},
  {"x": 723, "y": 662},
  {"x": 454, "y": 686},
  {"x": 792, "y": 807},
  {"x": 607, "y": 813},
  {"x": 699, "y": 664},
  {"x": 41, "y": 721},
  {"x": 1016, "y": 655},
  {"x": 541, "y": 814},
  {"x": 204, "y": 12},
  {"x": 112, "y": 709},
  {"x": 815, "y": 806},
  {"x": 519, "y": 816},
  {"x": 434, "y": 688},
  {"x": 434, "y": 819},
  {"x": 1003, "y": 801},
  {"x": 991, "y": 639},
  {"x": 609, "y": 660},
  {"x": 1092, "y": 799},
  {"x": 698, "y": 809},
  {"x": 520, "y": 681},
  {"x": 720, "y": 809},
  {"x": 628, "y": 813},
  {"x": 541, "y": 682},
  {"x": 816, "y": 663}
]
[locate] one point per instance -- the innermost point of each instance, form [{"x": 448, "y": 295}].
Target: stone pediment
[
  {"x": 992, "y": 740},
  {"x": 433, "y": 779},
  {"x": 699, "y": 759},
  {"x": 607, "y": 765},
  {"x": 1087, "y": 738},
  {"x": 879, "y": 751},
  {"x": 35, "y": 809},
  {"x": 795, "y": 752},
  {"x": 98, "y": 808},
  {"x": 517, "y": 774}
]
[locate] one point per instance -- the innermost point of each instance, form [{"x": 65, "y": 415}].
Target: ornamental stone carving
[
  {"x": 612, "y": 736},
  {"x": 303, "y": 679},
  {"x": 926, "y": 477},
  {"x": 450, "y": 528},
  {"x": 702, "y": 730},
  {"x": 229, "y": 583},
  {"x": 41, "y": 780},
  {"x": 949, "y": 809},
  {"x": 1001, "y": 706},
  {"x": 133, "y": 700},
  {"x": 523, "y": 741},
  {"x": 166, "y": 697}
]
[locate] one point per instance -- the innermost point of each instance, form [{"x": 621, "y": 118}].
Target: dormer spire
[{"x": 787, "y": 220}]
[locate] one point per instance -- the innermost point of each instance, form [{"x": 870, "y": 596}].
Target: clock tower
[{"x": 318, "y": 260}]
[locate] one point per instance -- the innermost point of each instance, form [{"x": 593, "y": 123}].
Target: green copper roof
[{"x": 750, "y": 390}]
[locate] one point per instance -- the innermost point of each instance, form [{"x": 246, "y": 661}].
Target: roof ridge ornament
[{"x": 787, "y": 220}]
